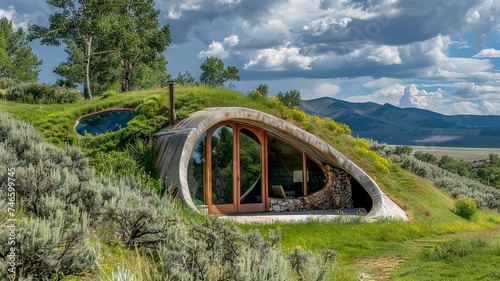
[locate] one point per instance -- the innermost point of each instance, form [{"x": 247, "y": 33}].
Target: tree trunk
[
  {"x": 127, "y": 74},
  {"x": 87, "y": 44},
  {"x": 126, "y": 79}
]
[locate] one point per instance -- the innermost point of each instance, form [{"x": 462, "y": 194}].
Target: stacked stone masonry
[{"x": 336, "y": 194}]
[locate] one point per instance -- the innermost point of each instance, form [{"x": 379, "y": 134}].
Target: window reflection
[
  {"x": 250, "y": 167},
  {"x": 316, "y": 176},
  {"x": 283, "y": 161},
  {"x": 222, "y": 165}
]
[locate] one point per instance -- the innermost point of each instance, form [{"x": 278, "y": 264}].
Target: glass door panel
[{"x": 250, "y": 168}]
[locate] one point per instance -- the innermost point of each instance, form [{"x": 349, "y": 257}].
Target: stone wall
[{"x": 337, "y": 194}]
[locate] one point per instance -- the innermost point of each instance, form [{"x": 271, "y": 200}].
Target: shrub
[
  {"x": 141, "y": 219},
  {"x": 362, "y": 148},
  {"x": 5, "y": 83},
  {"x": 337, "y": 127},
  {"x": 306, "y": 266},
  {"x": 298, "y": 114},
  {"x": 456, "y": 186},
  {"x": 52, "y": 248},
  {"x": 256, "y": 96},
  {"x": 426, "y": 157},
  {"x": 148, "y": 108},
  {"x": 215, "y": 250},
  {"x": 403, "y": 150},
  {"x": 109, "y": 93},
  {"x": 159, "y": 98},
  {"x": 453, "y": 249},
  {"x": 465, "y": 207},
  {"x": 41, "y": 93},
  {"x": 152, "y": 106},
  {"x": 121, "y": 273},
  {"x": 274, "y": 102}
]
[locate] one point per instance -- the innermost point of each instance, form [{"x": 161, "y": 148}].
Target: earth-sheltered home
[{"x": 238, "y": 160}]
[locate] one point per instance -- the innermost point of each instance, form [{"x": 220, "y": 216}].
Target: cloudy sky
[{"x": 441, "y": 55}]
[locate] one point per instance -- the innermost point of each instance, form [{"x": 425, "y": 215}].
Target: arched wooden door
[{"x": 236, "y": 169}]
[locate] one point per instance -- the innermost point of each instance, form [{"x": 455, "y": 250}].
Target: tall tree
[
  {"x": 141, "y": 41},
  {"x": 17, "y": 60},
  {"x": 214, "y": 73},
  {"x": 77, "y": 24}
]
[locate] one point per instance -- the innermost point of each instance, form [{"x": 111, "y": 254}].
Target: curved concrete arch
[{"x": 175, "y": 146}]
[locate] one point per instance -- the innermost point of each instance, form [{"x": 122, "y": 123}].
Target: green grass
[
  {"x": 384, "y": 249},
  {"x": 56, "y": 122},
  {"x": 363, "y": 243}
]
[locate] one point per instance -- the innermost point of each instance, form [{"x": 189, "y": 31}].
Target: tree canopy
[
  {"x": 17, "y": 60},
  {"x": 112, "y": 43},
  {"x": 289, "y": 98},
  {"x": 185, "y": 79},
  {"x": 141, "y": 40},
  {"x": 214, "y": 74}
]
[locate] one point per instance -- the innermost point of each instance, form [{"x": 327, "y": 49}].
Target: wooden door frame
[
  {"x": 251, "y": 207},
  {"x": 219, "y": 208},
  {"x": 236, "y": 206}
]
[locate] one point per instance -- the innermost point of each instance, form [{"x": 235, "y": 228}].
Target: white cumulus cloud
[
  {"x": 465, "y": 107},
  {"x": 323, "y": 25},
  {"x": 320, "y": 89},
  {"x": 220, "y": 49},
  {"x": 413, "y": 97},
  {"x": 385, "y": 55},
  {"x": 282, "y": 58},
  {"x": 488, "y": 53},
  {"x": 18, "y": 20},
  {"x": 390, "y": 94},
  {"x": 490, "y": 107}
]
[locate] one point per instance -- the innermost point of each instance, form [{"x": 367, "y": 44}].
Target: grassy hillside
[{"x": 432, "y": 246}]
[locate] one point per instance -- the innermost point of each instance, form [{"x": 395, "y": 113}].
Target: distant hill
[{"x": 411, "y": 126}]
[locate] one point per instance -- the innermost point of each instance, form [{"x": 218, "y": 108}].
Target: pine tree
[{"x": 17, "y": 60}]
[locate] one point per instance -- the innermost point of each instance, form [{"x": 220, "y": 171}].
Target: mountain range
[{"x": 411, "y": 126}]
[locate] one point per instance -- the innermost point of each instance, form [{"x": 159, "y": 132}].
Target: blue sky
[{"x": 433, "y": 54}]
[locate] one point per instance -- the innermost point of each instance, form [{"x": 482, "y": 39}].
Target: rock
[
  {"x": 336, "y": 199},
  {"x": 311, "y": 200},
  {"x": 276, "y": 208},
  {"x": 291, "y": 208},
  {"x": 328, "y": 195}
]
